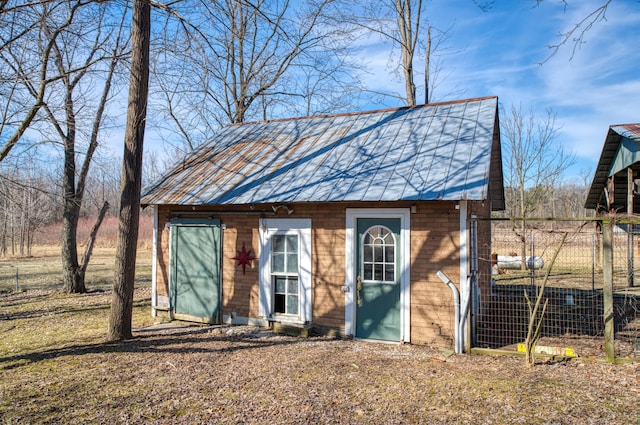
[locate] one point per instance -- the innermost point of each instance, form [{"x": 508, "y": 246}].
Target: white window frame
[
  {"x": 286, "y": 274},
  {"x": 285, "y": 226}
]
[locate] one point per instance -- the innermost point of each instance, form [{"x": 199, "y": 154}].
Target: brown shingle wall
[
  {"x": 240, "y": 290},
  {"x": 435, "y": 244},
  {"x": 328, "y": 269},
  {"x": 162, "y": 269}
]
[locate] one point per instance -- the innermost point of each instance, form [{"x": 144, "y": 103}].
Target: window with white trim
[
  {"x": 284, "y": 274},
  {"x": 285, "y": 270}
]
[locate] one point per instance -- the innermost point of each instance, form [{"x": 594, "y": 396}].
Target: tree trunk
[
  {"x": 408, "y": 37},
  {"x": 73, "y": 283},
  {"x": 92, "y": 239},
  {"x": 122, "y": 298},
  {"x": 523, "y": 227},
  {"x": 427, "y": 66}
]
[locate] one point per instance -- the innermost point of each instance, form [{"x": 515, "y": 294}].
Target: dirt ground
[{"x": 182, "y": 374}]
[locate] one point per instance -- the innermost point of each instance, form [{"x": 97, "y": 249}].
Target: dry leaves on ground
[{"x": 177, "y": 374}]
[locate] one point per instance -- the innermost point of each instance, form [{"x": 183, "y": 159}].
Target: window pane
[
  {"x": 378, "y": 269},
  {"x": 292, "y": 263},
  {"x": 281, "y": 285},
  {"x": 278, "y": 303},
  {"x": 277, "y": 262},
  {"x": 292, "y": 243},
  {"x": 292, "y": 304},
  {"x": 277, "y": 243},
  {"x": 388, "y": 253},
  {"x": 367, "y": 252},
  {"x": 368, "y": 272},
  {"x": 378, "y": 257},
  {"x": 292, "y": 286},
  {"x": 377, "y": 254},
  {"x": 389, "y": 273}
]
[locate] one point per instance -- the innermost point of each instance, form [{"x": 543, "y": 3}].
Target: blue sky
[{"x": 498, "y": 53}]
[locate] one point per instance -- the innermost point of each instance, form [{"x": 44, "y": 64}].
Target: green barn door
[
  {"x": 378, "y": 279},
  {"x": 195, "y": 269}
]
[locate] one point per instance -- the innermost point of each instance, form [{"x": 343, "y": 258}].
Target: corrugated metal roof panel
[{"x": 430, "y": 152}]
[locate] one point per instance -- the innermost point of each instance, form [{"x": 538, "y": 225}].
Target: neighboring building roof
[
  {"x": 621, "y": 150},
  {"x": 439, "y": 151}
]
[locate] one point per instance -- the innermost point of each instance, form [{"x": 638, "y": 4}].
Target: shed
[
  {"x": 338, "y": 223},
  {"x": 615, "y": 183}
]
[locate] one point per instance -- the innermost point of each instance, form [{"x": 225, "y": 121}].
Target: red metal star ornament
[{"x": 243, "y": 258}]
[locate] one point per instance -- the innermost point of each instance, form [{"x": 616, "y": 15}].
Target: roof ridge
[
  {"x": 633, "y": 124},
  {"x": 373, "y": 111}
]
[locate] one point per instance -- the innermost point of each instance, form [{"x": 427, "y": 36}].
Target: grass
[
  {"x": 52, "y": 349},
  {"x": 38, "y": 317},
  {"x": 49, "y": 321},
  {"x": 42, "y": 271}
]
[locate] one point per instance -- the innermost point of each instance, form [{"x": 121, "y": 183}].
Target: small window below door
[{"x": 378, "y": 253}]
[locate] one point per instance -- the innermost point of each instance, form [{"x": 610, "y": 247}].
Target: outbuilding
[
  {"x": 616, "y": 181},
  {"x": 336, "y": 223}
]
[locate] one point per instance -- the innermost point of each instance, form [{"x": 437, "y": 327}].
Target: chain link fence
[{"x": 572, "y": 288}]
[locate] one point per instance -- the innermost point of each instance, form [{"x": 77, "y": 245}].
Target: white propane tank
[{"x": 514, "y": 262}]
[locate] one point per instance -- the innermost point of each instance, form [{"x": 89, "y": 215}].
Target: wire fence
[{"x": 573, "y": 288}]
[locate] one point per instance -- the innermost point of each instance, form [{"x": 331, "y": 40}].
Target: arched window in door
[{"x": 378, "y": 253}]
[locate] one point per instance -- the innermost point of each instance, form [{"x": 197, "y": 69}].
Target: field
[
  {"x": 41, "y": 270},
  {"x": 55, "y": 367}
]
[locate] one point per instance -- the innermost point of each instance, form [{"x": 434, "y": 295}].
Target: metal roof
[
  {"x": 617, "y": 154},
  {"x": 438, "y": 151}
]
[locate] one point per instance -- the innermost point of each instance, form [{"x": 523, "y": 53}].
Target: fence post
[{"x": 607, "y": 289}]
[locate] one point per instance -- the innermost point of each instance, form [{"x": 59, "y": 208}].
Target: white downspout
[
  {"x": 154, "y": 264},
  {"x": 457, "y": 341},
  {"x": 464, "y": 313}
]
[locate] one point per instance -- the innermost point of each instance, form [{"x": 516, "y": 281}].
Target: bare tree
[
  {"x": 408, "y": 30},
  {"x": 577, "y": 33},
  {"x": 123, "y": 283},
  {"x": 81, "y": 44},
  {"x": 398, "y": 21},
  {"x": 26, "y": 204},
  {"x": 235, "y": 60},
  {"x": 28, "y": 35},
  {"x": 403, "y": 23},
  {"x": 102, "y": 185},
  {"x": 534, "y": 163}
]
